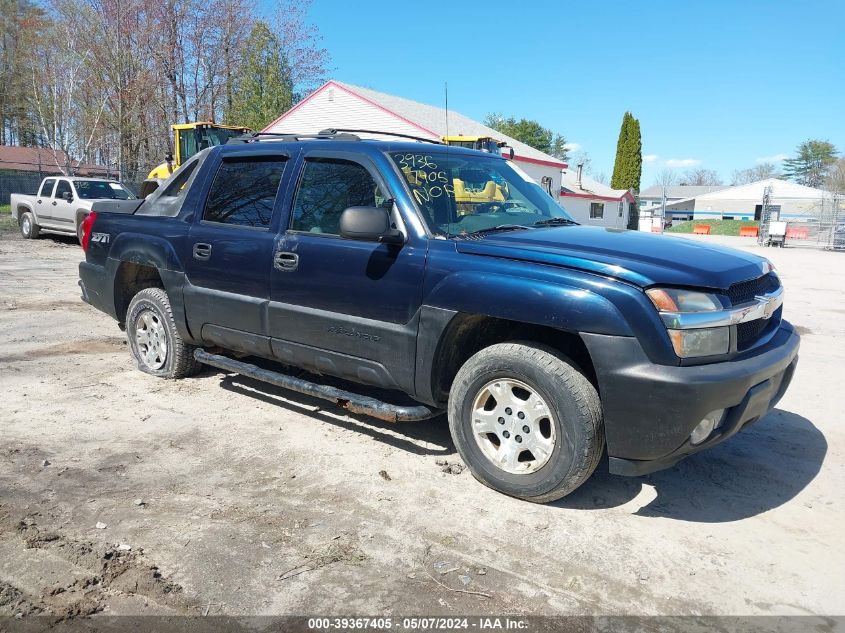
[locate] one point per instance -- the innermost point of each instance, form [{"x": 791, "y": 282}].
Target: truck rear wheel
[
  {"x": 526, "y": 421},
  {"x": 153, "y": 339},
  {"x": 29, "y": 229}
]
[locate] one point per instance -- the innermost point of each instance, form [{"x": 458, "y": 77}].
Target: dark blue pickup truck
[{"x": 443, "y": 275}]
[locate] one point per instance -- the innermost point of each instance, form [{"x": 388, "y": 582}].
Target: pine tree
[
  {"x": 628, "y": 167},
  {"x": 264, "y": 88},
  {"x": 635, "y": 156},
  {"x": 812, "y": 164},
  {"x": 620, "y": 164}
]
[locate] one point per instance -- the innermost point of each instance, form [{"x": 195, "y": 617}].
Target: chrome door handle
[
  {"x": 202, "y": 251},
  {"x": 286, "y": 262},
  {"x": 54, "y": 203}
]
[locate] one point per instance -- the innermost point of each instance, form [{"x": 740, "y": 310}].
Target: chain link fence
[
  {"x": 28, "y": 183},
  {"x": 821, "y": 225}
]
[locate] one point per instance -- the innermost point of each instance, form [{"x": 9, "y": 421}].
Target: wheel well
[
  {"x": 129, "y": 280},
  {"x": 467, "y": 334}
]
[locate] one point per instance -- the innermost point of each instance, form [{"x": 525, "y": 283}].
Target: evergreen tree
[
  {"x": 620, "y": 165},
  {"x": 635, "y": 156},
  {"x": 263, "y": 86},
  {"x": 529, "y": 132},
  {"x": 812, "y": 164},
  {"x": 628, "y": 167}
]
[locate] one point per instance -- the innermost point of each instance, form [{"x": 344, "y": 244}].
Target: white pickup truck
[{"x": 61, "y": 204}]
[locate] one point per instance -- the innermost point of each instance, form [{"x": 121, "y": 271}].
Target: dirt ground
[{"x": 121, "y": 493}]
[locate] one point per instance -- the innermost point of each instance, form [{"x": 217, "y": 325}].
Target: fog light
[{"x": 704, "y": 428}]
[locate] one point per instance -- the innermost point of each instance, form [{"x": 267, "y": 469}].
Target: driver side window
[
  {"x": 62, "y": 188},
  {"x": 329, "y": 186}
]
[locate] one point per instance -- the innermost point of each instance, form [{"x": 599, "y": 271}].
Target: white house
[
  {"x": 342, "y": 105},
  {"x": 590, "y": 202},
  {"x": 745, "y": 202},
  {"x": 680, "y": 199}
]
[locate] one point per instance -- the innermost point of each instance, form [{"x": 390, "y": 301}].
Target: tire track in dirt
[{"x": 101, "y": 572}]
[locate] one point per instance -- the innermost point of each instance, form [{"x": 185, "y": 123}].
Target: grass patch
[
  {"x": 7, "y": 222},
  {"x": 717, "y": 227}
]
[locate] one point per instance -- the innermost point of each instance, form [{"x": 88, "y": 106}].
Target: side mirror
[
  {"x": 67, "y": 195},
  {"x": 369, "y": 224}
]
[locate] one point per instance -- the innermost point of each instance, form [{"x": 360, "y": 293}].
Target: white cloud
[
  {"x": 682, "y": 162},
  {"x": 650, "y": 158},
  {"x": 572, "y": 147},
  {"x": 775, "y": 158}
]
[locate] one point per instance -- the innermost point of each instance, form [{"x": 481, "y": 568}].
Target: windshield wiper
[
  {"x": 555, "y": 222},
  {"x": 500, "y": 227}
]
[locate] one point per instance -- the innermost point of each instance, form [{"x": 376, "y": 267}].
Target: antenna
[
  {"x": 453, "y": 202},
  {"x": 446, "y": 91}
]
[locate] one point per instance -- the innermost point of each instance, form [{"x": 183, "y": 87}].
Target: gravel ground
[{"x": 121, "y": 493}]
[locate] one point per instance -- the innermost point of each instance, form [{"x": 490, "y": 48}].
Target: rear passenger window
[
  {"x": 327, "y": 188},
  {"x": 47, "y": 188},
  {"x": 244, "y": 191}
]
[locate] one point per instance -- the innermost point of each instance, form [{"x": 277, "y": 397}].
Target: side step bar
[{"x": 350, "y": 401}]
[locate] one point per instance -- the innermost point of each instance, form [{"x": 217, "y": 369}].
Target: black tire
[
  {"x": 29, "y": 229},
  {"x": 153, "y": 305},
  {"x": 572, "y": 401}
]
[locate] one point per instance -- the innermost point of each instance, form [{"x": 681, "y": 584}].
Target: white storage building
[
  {"x": 342, "y": 105},
  {"x": 745, "y": 202}
]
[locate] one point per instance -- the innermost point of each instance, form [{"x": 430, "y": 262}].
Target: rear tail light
[{"x": 87, "y": 224}]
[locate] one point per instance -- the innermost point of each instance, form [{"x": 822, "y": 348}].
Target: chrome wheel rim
[
  {"x": 513, "y": 426},
  {"x": 26, "y": 225},
  {"x": 151, "y": 339}
]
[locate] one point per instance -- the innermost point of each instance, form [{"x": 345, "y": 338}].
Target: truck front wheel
[
  {"x": 29, "y": 229},
  {"x": 526, "y": 421},
  {"x": 153, "y": 339}
]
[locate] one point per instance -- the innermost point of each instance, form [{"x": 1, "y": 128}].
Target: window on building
[
  {"x": 244, "y": 192},
  {"x": 596, "y": 210},
  {"x": 621, "y": 208},
  {"x": 328, "y": 187}
]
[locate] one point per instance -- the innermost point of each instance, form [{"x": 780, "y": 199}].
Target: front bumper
[{"x": 650, "y": 410}]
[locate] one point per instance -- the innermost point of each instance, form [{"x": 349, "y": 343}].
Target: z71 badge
[{"x": 103, "y": 238}]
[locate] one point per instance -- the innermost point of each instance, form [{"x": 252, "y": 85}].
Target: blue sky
[{"x": 721, "y": 85}]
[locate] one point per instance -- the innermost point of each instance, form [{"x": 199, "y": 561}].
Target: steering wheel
[{"x": 491, "y": 207}]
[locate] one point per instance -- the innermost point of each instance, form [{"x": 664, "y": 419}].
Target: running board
[{"x": 352, "y": 402}]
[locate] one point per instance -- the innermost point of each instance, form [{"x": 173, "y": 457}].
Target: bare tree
[
  {"x": 301, "y": 46},
  {"x": 600, "y": 177},
  {"x": 754, "y": 174},
  {"x": 666, "y": 177},
  {"x": 701, "y": 176},
  {"x": 835, "y": 180}
]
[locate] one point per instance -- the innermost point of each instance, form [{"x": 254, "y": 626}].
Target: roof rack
[
  {"x": 335, "y": 131},
  {"x": 337, "y": 134},
  {"x": 289, "y": 136}
]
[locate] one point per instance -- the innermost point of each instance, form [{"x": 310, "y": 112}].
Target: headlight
[
  {"x": 674, "y": 300},
  {"x": 696, "y": 342}
]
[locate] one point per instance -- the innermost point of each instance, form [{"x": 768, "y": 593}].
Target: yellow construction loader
[
  {"x": 188, "y": 139},
  {"x": 482, "y": 143}
]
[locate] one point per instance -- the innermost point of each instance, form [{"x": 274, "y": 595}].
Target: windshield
[
  {"x": 461, "y": 194},
  {"x": 193, "y": 140},
  {"x": 101, "y": 190}
]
